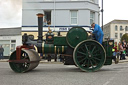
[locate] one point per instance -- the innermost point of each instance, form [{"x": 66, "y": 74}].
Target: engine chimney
[{"x": 40, "y": 27}]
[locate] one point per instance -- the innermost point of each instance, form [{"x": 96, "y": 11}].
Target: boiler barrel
[{"x": 50, "y": 48}]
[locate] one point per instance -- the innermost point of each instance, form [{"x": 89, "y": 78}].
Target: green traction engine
[{"x": 76, "y": 47}]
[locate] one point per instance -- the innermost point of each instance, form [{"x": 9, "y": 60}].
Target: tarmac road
[{"x": 59, "y": 74}]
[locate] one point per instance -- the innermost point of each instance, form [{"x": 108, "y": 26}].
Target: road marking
[
  {"x": 106, "y": 83},
  {"x": 109, "y": 81},
  {"x": 70, "y": 66}
]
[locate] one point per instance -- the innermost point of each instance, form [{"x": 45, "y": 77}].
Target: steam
[{"x": 10, "y": 13}]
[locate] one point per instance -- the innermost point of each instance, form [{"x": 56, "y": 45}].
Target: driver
[{"x": 97, "y": 31}]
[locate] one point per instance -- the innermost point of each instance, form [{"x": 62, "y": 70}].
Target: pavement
[{"x": 58, "y": 62}]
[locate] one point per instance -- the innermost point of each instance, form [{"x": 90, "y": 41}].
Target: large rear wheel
[{"x": 89, "y": 55}]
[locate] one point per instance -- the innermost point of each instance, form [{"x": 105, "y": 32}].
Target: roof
[
  {"x": 10, "y": 31},
  {"x": 117, "y": 22}
]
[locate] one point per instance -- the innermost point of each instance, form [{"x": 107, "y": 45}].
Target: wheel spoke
[
  {"x": 82, "y": 49},
  {"x": 93, "y": 49},
  {"x": 83, "y": 59},
  {"x": 97, "y": 55},
  {"x": 96, "y": 58},
  {"x": 94, "y": 61},
  {"x": 84, "y": 62},
  {"x": 88, "y": 63},
  {"x": 86, "y": 47},
  {"x": 82, "y": 53},
  {"x": 80, "y": 56},
  {"x": 91, "y": 64},
  {"x": 96, "y": 51}
]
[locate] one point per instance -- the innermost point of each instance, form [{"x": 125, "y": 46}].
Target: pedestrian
[
  {"x": 45, "y": 22},
  {"x": 121, "y": 50},
  {"x": 55, "y": 58},
  {"x": 1, "y": 52},
  {"x": 127, "y": 49},
  {"x": 49, "y": 58},
  {"x": 117, "y": 54},
  {"x": 41, "y": 55},
  {"x": 115, "y": 57},
  {"x": 123, "y": 42},
  {"x": 98, "y": 33},
  {"x": 124, "y": 47}
]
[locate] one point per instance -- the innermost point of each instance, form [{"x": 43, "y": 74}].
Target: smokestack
[{"x": 40, "y": 27}]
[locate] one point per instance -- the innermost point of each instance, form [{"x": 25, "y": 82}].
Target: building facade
[
  {"x": 115, "y": 29},
  {"x": 9, "y": 39},
  {"x": 60, "y": 14}
]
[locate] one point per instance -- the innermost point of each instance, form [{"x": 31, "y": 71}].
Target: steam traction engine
[{"x": 76, "y": 47}]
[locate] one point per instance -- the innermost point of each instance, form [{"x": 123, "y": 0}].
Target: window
[
  {"x": 13, "y": 45},
  {"x": 121, "y": 34},
  {"x": 126, "y": 28},
  {"x": 47, "y": 18},
  {"x": 73, "y": 17},
  {"x": 116, "y": 35},
  {"x": 116, "y": 28},
  {"x": 13, "y": 41},
  {"x": 121, "y": 28},
  {"x": 92, "y": 16}
]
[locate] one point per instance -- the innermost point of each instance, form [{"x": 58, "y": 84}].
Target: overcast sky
[
  {"x": 115, "y": 9},
  {"x": 11, "y": 11}
]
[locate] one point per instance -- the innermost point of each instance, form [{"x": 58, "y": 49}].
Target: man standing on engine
[{"x": 97, "y": 31}]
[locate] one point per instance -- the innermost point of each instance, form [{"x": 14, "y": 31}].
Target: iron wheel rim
[{"x": 85, "y": 56}]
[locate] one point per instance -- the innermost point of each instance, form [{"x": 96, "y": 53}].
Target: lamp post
[
  {"x": 102, "y": 13},
  {"x": 54, "y": 14}
]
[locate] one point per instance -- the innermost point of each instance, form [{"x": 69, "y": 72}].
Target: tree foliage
[{"x": 125, "y": 37}]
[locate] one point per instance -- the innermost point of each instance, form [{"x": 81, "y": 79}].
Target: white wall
[{"x": 62, "y": 12}]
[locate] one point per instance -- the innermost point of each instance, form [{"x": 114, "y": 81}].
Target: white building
[
  {"x": 115, "y": 29},
  {"x": 9, "y": 39},
  {"x": 63, "y": 14}
]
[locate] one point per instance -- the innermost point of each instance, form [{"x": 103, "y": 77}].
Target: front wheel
[
  {"x": 26, "y": 55},
  {"x": 89, "y": 55}
]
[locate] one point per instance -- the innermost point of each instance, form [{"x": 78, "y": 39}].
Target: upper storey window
[
  {"x": 116, "y": 28},
  {"x": 74, "y": 17},
  {"x": 92, "y": 17}
]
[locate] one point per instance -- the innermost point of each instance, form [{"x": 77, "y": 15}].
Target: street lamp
[{"x": 102, "y": 13}]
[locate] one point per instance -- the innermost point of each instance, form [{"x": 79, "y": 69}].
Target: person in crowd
[
  {"x": 1, "y": 52},
  {"x": 49, "y": 58},
  {"x": 41, "y": 55},
  {"x": 55, "y": 58},
  {"x": 49, "y": 22},
  {"x": 127, "y": 50},
  {"x": 124, "y": 47},
  {"x": 117, "y": 53},
  {"x": 115, "y": 57},
  {"x": 121, "y": 49},
  {"x": 123, "y": 42},
  {"x": 45, "y": 22},
  {"x": 98, "y": 33}
]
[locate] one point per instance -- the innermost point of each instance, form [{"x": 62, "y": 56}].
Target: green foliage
[{"x": 124, "y": 37}]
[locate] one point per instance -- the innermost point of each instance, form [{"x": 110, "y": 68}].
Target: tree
[{"x": 124, "y": 37}]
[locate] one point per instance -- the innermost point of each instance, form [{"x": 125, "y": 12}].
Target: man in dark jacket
[{"x": 1, "y": 52}]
